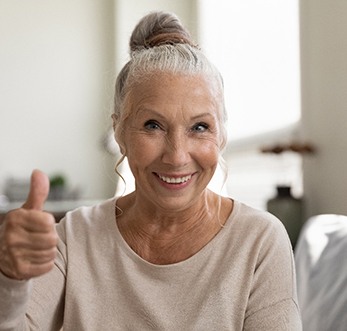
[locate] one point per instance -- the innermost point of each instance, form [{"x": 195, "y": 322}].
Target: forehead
[{"x": 167, "y": 92}]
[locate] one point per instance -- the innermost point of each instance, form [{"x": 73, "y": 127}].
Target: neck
[
  {"x": 143, "y": 213},
  {"x": 164, "y": 237}
]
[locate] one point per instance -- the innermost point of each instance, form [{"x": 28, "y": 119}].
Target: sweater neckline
[{"x": 191, "y": 260}]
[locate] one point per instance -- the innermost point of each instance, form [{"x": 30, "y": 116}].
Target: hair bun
[{"x": 159, "y": 28}]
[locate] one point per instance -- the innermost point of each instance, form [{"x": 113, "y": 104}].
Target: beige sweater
[{"x": 242, "y": 280}]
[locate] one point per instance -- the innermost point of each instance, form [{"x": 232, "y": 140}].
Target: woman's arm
[{"x": 37, "y": 303}]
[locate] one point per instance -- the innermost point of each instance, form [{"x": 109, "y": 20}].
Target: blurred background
[{"x": 285, "y": 71}]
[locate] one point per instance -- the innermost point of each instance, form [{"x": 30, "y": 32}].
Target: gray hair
[{"x": 159, "y": 42}]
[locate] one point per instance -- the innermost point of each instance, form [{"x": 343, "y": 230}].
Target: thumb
[{"x": 39, "y": 189}]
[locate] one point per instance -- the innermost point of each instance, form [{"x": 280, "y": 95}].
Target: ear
[
  {"x": 222, "y": 144},
  {"x": 114, "y": 121},
  {"x": 122, "y": 149},
  {"x": 223, "y": 138},
  {"x": 117, "y": 134}
]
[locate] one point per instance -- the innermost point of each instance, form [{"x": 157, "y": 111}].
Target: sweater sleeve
[
  {"x": 36, "y": 304},
  {"x": 14, "y": 296},
  {"x": 273, "y": 299}
]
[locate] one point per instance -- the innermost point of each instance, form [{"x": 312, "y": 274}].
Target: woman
[{"x": 172, "y": 255}]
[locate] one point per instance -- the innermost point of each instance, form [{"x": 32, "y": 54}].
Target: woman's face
[{"x": 172, "y": 139}]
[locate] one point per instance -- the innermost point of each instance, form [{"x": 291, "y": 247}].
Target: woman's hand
[{"x": 28, "y": 239}]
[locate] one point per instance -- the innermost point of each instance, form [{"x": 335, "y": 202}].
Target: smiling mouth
[{"x": 174, "y": 180}]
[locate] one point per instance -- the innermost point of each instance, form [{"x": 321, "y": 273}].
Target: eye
[
  {"x": 152, "y": 125},
  {"x": 200, "y": 127}
]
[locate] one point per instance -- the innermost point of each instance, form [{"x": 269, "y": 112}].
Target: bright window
[{"x": 255, "y": 45}]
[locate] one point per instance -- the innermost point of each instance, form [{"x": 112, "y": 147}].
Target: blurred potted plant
[{"x": 57, "y": 187}]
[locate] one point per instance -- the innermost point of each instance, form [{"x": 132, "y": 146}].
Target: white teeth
[{"x": 178, "y": 180}]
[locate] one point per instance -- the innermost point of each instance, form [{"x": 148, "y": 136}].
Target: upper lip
[
  {"x": 174, "y": 175},
  {"x": 175, "y": 178}
]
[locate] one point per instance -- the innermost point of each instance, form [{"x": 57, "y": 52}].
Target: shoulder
[
  {"x": 87, "y": 219},
  {"x": 257, "y": 235},
  {"x": 256, "y": 222}
]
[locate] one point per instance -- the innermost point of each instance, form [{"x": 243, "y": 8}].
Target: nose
[{"x": 176, "y": 150}]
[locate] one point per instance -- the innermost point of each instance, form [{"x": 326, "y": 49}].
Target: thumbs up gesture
[{"x": 28, "y": 238}]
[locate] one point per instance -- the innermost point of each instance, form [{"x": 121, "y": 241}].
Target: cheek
[
  {"x": 206, "y": 152},
  {"x": 141, "y": 151}
]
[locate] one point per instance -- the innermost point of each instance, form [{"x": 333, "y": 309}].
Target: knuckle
[
  {"x": 18, "y": 268},
  {"x": 16, "y": 258},
  {"x": 48, "y": 222},
  {"x": 56, "y": 238},
  {"x": 11, "y": 239},
  {"x": 51, "y": 241},
  {"x": 12, "y": 218}
]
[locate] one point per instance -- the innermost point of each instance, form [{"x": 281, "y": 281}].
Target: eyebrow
[
  {"x": 148, "y": 110},
  {"x": 202, "y": 115},
  {"x": 196, "y": 117}
]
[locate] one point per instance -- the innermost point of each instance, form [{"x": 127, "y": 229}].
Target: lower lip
[{"x": 174, "y": 186}]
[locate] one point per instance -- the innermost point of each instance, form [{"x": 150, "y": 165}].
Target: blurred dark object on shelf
[{"x": 301, "y": 148}]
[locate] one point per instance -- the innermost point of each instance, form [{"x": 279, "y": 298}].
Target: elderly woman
[{"x": 172, "y": 255}]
